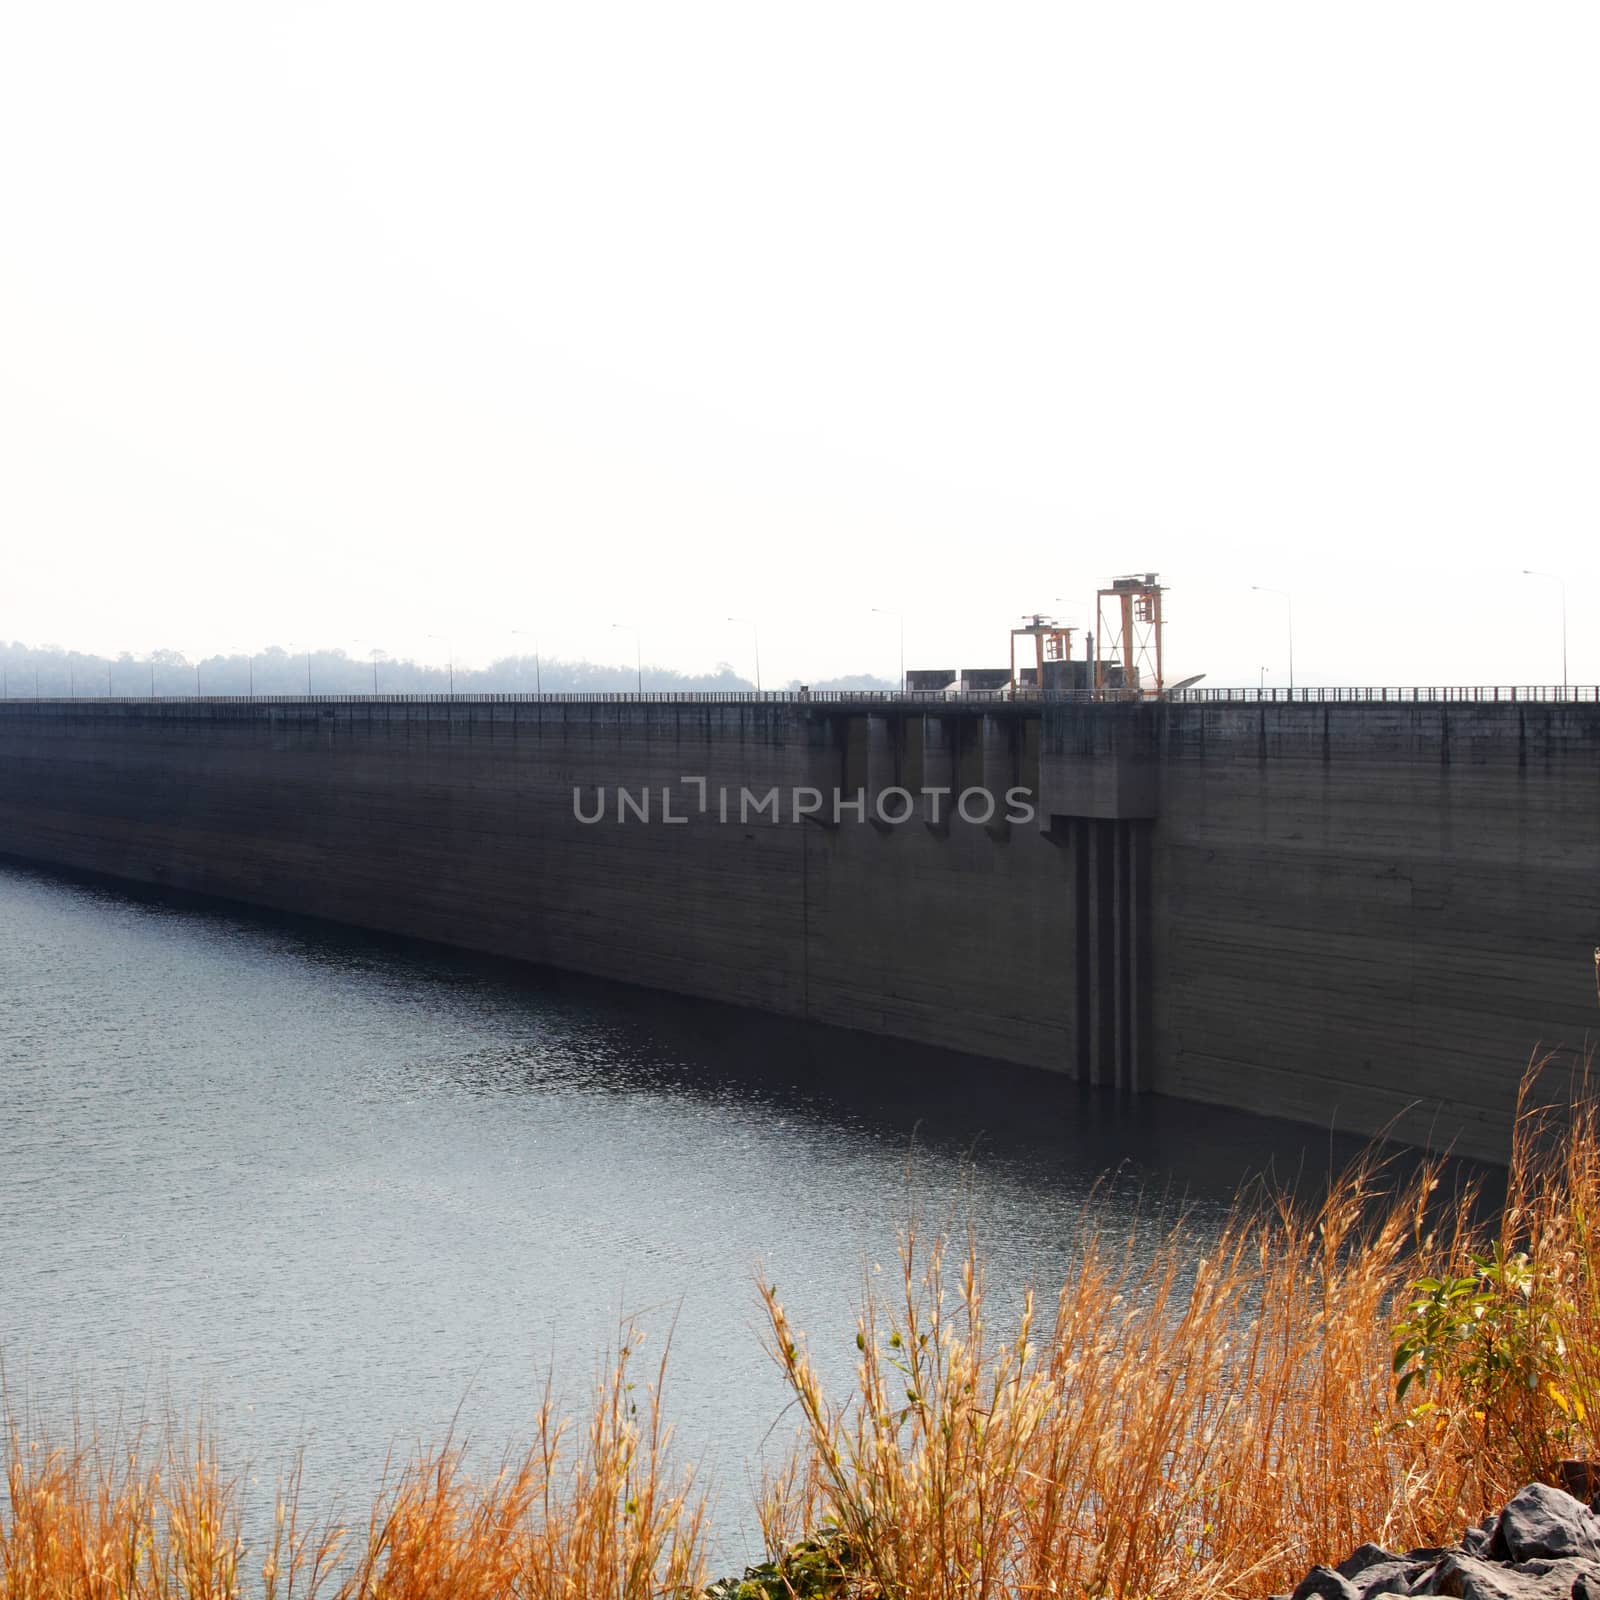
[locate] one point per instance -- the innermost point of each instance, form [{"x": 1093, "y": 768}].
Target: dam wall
[
  {"x": 1343, "y": 913},
  {"x": 1375, "y": 913},
  {"x": 455, "y": 821}
]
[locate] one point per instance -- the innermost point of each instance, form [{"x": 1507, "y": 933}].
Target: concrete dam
[{"x": 1349, "y": 911}]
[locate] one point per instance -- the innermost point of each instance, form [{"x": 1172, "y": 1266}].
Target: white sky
[{"x": 361, "y": 322}]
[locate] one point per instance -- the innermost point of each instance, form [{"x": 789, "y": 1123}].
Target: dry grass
[
  {"x": 601, "y": 1519},
  {"x": 1210, "y": 1419},
  {"x": 1206, "y": 1419}
]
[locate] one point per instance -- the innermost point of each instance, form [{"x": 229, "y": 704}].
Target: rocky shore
[{"x": 1544, "y": 1545}]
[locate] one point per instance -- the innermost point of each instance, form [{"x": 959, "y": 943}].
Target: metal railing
[
  {"x": 1475, "y": 693},
  {"x": 685, "y": 697},
  {"x": 588, "y": 697},
  {"x": 1356, "y": 695}
]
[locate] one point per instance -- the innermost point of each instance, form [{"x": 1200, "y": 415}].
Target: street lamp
[
  {"x": 528, "y": 633},
  {"x": 249, "y": 656},
  {"x": 1529, "y": 572},
  {"x": 638, "y": 657},
  {"x": 755, "y": 634},
  {"x": 295, "y": 644},
  {"x": 884, "y": 611},
  {"x": 1261, "y": 588},
  {"x": 375, "y": 652},
  {"x": 451, "y": 649}
]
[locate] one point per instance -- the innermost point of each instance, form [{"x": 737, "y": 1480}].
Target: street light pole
[
  {"x": 638, "y": 652},
  {"x": 451, "y": 650},
  {"x": 884, "y": 611},
  {"x": 756, "y": 635},
  {"x": 1529, "y": 572},
  {"x": 294, "y": 644},
  {"x": 527, "y": 633},
  {"x": 1261, "y": 588}
]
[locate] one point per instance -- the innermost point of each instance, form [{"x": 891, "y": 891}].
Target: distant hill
[{"x": 49, "y": 671}]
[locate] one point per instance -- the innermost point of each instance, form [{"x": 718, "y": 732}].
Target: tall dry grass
[
  {"x": 604, "y": 1517},
  {"x": 1207, "y": 1416}
]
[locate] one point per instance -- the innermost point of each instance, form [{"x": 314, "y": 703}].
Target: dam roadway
[{"x": 1348, "y": 909}]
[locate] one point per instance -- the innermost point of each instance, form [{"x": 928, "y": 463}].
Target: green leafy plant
[
  {"x": 1493, "y": 1335},
  {"x": 809, "y": 1569}
]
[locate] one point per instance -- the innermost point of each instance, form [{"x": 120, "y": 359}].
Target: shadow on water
[{"x": 624, "y": 1039}]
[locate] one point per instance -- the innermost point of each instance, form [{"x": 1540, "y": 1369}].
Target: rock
[
  {"x": 1325, "y": 1583},
  {"x": 1486, "y": 1540},
  {"x": 1541, "y": 1521},
  {"x": 1570, "y": 1571},
  {"x": 1466, "y": 1577},
  {"x": 1388, "y": 1577},
  {"x": 1545, "y": 1545},
  {"x": 1363, "y": 1557}
]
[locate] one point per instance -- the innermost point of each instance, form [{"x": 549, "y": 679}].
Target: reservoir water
[{"x": 333, "y": 1192}]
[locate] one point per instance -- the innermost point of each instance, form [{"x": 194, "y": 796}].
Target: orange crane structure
[
  {"x": 1127, "y": 662},
  {"x": 1051, "y": 642}
]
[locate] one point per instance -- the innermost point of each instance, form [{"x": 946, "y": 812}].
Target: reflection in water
[{"x": 331, "y": 1188}]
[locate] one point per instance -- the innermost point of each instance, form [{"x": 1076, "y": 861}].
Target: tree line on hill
[{"x": 49, "y": 672}]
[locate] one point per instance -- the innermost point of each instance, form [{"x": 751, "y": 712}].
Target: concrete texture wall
[
  {"x": 1366, "y": 912},
  {"x": 1325, "y": 912},
  {"x": 456, "y": 822}
]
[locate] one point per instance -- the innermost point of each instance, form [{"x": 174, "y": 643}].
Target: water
[{"x": 333, "y": 1192}]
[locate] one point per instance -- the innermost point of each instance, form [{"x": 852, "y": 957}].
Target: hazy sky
[{"x": 365, "y": 322}]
